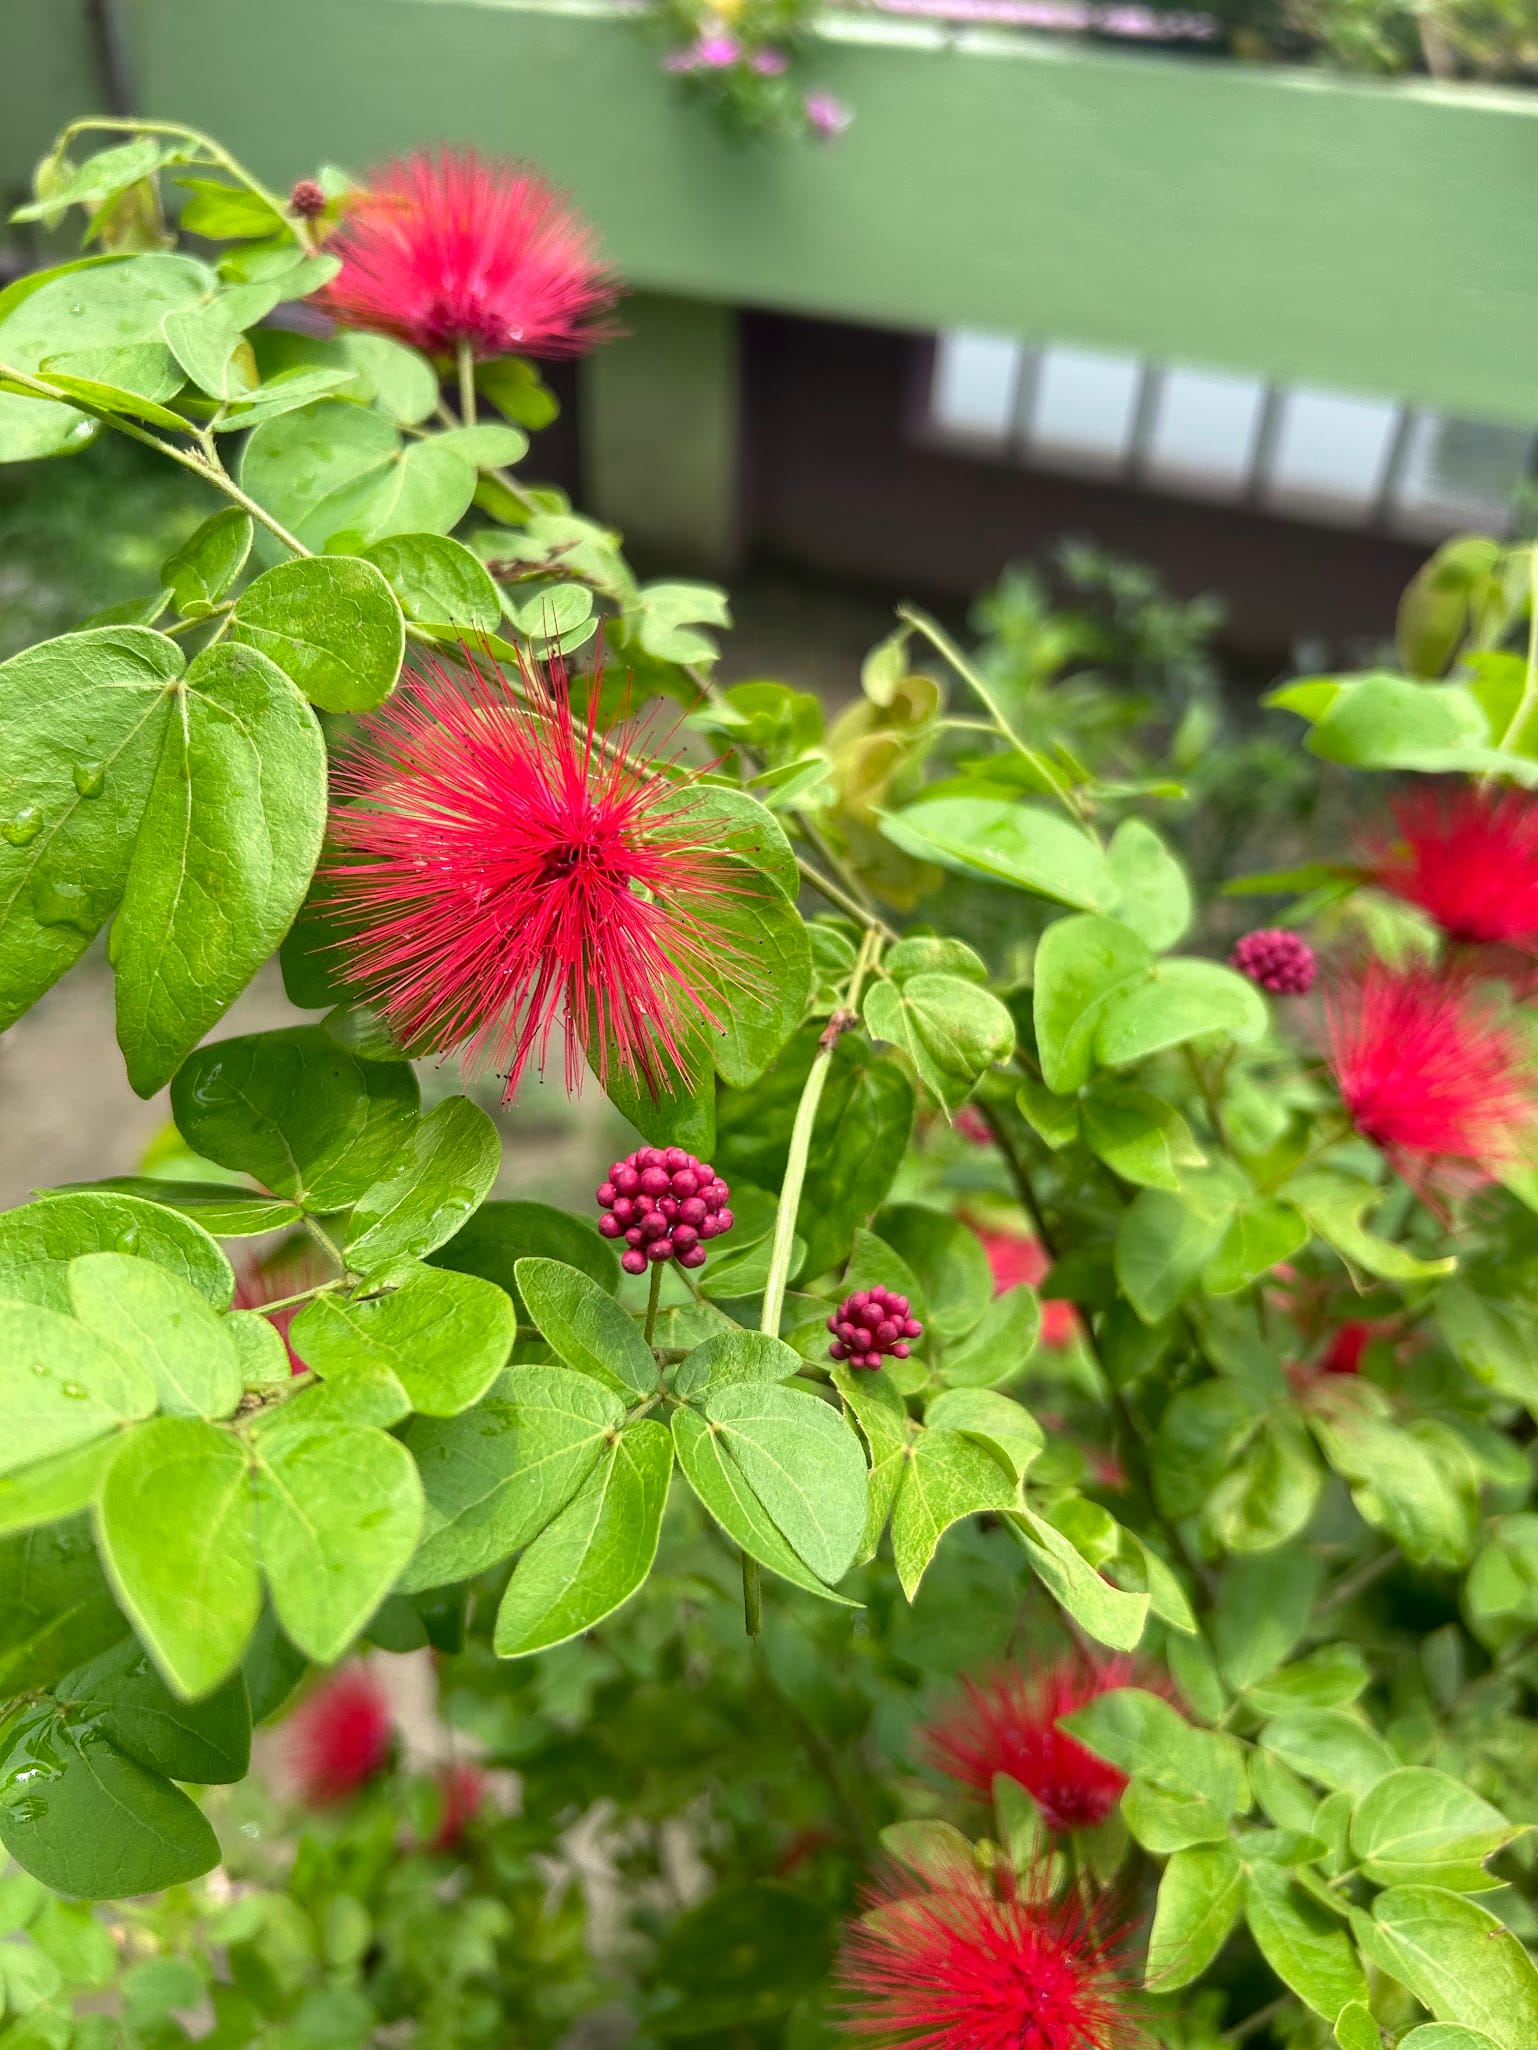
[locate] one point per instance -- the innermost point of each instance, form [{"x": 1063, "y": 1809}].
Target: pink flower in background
[
  {"x": 339, "y": 1737},
  {"x": 462, "y": 1789},
  {"x": 826, "y": 116},
  {"x": 770, "y": 63},
  {"x": 717, "y": 52},
  {"x": 1015, "y": 1257}
]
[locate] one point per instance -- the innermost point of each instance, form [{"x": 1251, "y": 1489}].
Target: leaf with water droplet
[
  {"x": 435, "y": 1342},
  {"x": 444, "y": 1170},
  {"x": 55, "y": 1605},
  {"x": 99, "y": 699},
  {"x": 89, "y": 778},
  {"x": 88, "y": 1820},
  {"x": 224, "y": 856},
  {"x": 179, "y": 1341},
  {"x": 39, "y": 1239},
  {"x": 61, "y": 1385},
  {"x": 207, "y": 1741}
]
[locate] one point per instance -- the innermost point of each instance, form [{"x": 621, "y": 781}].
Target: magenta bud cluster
[
  {"x": 1280, "y": 961},
  {"x": 664, "y": 1204},
  {"x": 307, "y": 200},
  {"x": 872, "y": 1324}
]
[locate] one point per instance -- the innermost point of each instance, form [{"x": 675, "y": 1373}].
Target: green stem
[
  {"x": 653, "y": 1299},
  {"x": 305, "y": 1295},
  {"x": 132, "y": 125},
  {"x": 836, "y": 894},
  {"x": 942, "y": 643},
  {"x": 801, "y": 1141},
  {"x": 752, "y": 1596},
  {"x": 212, "y": 473},
  {"x": 325, "y": 1241},
  {"x": 467, "y": 384}
]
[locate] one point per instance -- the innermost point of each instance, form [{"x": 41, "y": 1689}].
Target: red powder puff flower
[
  {"x": 952, "y": 1961},
  {"x": 289, "y": 1272},
  {"x": 1427, "y": 1069},
  {"x": 461, "y": 1791},
  {"x": 500, "y": 871},
  {"x": 1468, "y": 857},
  {"x": 339, "y": 1737},
  {"x": 452, "y": 249},
  {"x": 1007, "y": 1723}
]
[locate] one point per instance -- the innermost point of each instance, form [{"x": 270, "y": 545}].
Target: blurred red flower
[
  {"x": 461, "y": 1790},
  {"x": 452, "y": 249},
  {"x": 1016, "y": 1257},
  {"x": 1468, "y": 857},
  {"x": 951, "y": 1961},
  {"x": 1007, "y": 1723},
  {"x": 289, "y": 1271},
  {"x": 339, "y": 1736}
]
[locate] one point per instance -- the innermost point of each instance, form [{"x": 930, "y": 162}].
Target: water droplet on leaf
[
  {"x": 58, "y": 902},
  {"x": 25, "y": 826},
  {"x": 89, "y": 778}
]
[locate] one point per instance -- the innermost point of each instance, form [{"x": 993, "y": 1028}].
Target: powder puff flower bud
[
  {"x": 501, "y": 870},
  {"x": 1280, "y": 961},
  {"x": 665, "y": 1205},
  {"x": 339, "y": 1737},
  {"x": 1468, "y": 858},
  {"x": 307, "y": 201},
  {"x": 717, "y": 52},
  {"x": 970, "y": 1124},
  {"x": 870, "y": 1325},
  {"x": 452, "y": 250},
  {"x": 955, "y": 1959},
  {"x": 1428, "y": 1069},
  {"x": 1008, "y": 1723}
]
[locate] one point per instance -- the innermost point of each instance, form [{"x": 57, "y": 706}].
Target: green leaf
[
  {"x": 447, "y": 1166},
  {"x": 208, "y": 1741},
  {"x": 513, "y": 386},
  {"x": 587, "y": 1328},
  {"x": 802, "y": 1462},
  {"x": 949, "y": 1261},
  {"x": 1334, "y": 1206},
  {"x": 681, "y": 1110},
  {"x": 1263, "y": 1233},
  {"x": 48, "y": 1489},
  {"x": 434, "y": 1343},
  {"x": 55, "y": 1605},
  {"x": 596, "y": 1553},
  {"x": 1164, "y": 1241},
  {"x": 1302, "y": 1942},
  {"x": 744, "y": 1955},
  {"x": 730, "y": 820},
  {"x": 1330, "y": 1746},
  {"x": 1110, "y": 1614},
  {"x": 295, "y": 1111},
  {"x": 338, "y": 1514},
  {"x": 90, "y": 1822},
  {"x": 1262, "y": 1610},
  {"x": 62, "y": 1385},
  {"x": 1199, "y": 1899},
  {"x": 1146, "y": 1736},
  {"x": 223, "y": 1209},
  {"x": 948, "y": 1477},
  {"x": 332, "y": 624},
  {"x": 1269, "y": 1492},
  {"x": 230, "y": 837},
  {"x": 723, "y": 1488},
  {"x": 1011, "y": 1433},
  {"x": 1419, "y": 1826},
  {"x": 1381, "y": 721},
  {"x": 438, "y": 581},
  {"x": 765, "y": 975},
  {"x": 1179, "y": 1000},
  {"x": 83, "y": 717},
  {"x": 1083, "y": 965},
  {"x": 883, "y": 1419},
  {"x": 200, "y": 572},
  {"x": 1007, "y": 842},
  {"x": 998, "y": 1348},
  {"x": 179, "y": 1342},
  {"x": 174, "y": 1524},
  {"x": 1460, "y": 1962},
  {"x": 1154, "y": 893},
  {"x": 732, "y": 1356},
  {"x": 495, "y": 1476},
  {"x": 499, "y": 1235},
  {"x": 1331, "y": 1677},
  {"x": 1138, "y": 1135},
  {"x": 1446, "y": 2036},
  {"x": 1417, "y": 1482},
  {"x": 927, "y": 954},
  {"x": 488, "y": 445},
  {"x": 39, "y": 1239},
  {"x": 952, "y": 1031},
  {"x": 211, "y": 349},
  {"x": 398, "y": 381},
  {"x": 334, "y": 469}
]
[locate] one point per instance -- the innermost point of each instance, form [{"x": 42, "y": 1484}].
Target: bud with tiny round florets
[
  {"x": 1280, "y": 961},
  {"x": 870, "y": 1324},
  {"x": 665, "y": 1205}
]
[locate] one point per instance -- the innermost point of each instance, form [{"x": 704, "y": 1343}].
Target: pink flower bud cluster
[
  {"x": 665, "y": 1205},
  {"x": 870, "y": 1324}
]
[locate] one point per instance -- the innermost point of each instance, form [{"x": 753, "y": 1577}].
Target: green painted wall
[{"x": 1362, "y": 235}]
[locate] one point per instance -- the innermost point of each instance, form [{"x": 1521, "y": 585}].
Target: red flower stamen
[
  {"x": 1467, "y": 857},
  {"x": 450, "y": 249},
  {"x": 501, "y": 871},
  {"x": 1008, "y": 1723}
]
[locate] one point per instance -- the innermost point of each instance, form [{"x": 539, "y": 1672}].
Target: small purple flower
[
  {"x": 717, "y": 52},
  {"x": 770, "y": 63},
  {"x": 826, "y": 115}
]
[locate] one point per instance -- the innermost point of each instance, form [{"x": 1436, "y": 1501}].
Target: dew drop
[
  {"x": 56, "y": 901},
  {"x": 26, "y": 825},
  {"x": 77, "y": 310},
  {"x": 89, "y": 778},
  {"x": 72, "y": 1389},
  {"x": 127, "y": 1240},
  {"x": 39, "y": 1368},
  {"x": 30, "y": 1808}
]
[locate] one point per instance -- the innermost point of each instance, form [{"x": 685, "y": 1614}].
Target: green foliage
[{"x": 1201, "y": 1376}]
